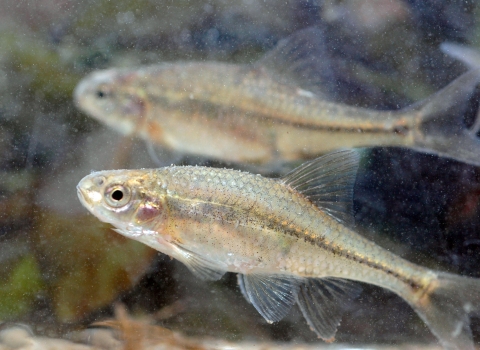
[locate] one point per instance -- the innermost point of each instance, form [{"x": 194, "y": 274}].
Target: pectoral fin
[
  {"x": 200, "y": 266},
  {"x": 272, "y": 296},
  {"x": 322, "y": 302}
]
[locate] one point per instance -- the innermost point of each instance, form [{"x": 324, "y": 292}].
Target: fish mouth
[
  {"x": 87, "y": 197},
  {"x": 82, "y": 197},
  {"x": 79, "y": 92}
]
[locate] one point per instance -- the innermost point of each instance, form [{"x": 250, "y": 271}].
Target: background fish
[
  {"x": 277, "y": 109},
  {"x": 466, "y": 54},
  {"x": 290, "y": 240}
]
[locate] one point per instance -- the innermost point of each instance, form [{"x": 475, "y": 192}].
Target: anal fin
[
  {"x": 241, "y": 284},
  {"x": 272, "y": 296},
  {"x": 322, "y": 302}
]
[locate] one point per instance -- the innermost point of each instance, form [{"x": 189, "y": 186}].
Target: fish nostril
[{"x": 99, "y": 181}]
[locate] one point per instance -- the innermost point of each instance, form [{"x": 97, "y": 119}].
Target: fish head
[
  {"x": 131, "y": 200},
  {"x": 114, "y": 97}
]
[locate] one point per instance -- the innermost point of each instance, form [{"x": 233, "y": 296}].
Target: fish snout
[
  {"x": 89, "y": 190},
  {"x": 80, "y": 92},
  {"x": 94, "y": 86},
  {"x": 80, "y": 195}
]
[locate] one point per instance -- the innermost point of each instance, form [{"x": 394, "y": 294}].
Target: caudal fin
[
  {"x": 466, "y": 54},
  {"x": 445, "y": 308},
  {"x": 441, "y": 129}
]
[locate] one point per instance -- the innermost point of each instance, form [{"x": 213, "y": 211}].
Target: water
[{"x": 61, "y": 269}]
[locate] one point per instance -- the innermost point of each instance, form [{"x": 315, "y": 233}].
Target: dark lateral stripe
[
  {"x": 318, "y": 241},
  {"x": 338, "y": 251},
  {"x": 207, "y": 109}
]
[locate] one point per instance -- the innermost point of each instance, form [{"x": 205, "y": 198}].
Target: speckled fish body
[
  {"x": 259, "y": 226},
  {"x": 233, "y": 113},
  {"x": 289, "y": 240},
  {"x": 267, "y": 111}
]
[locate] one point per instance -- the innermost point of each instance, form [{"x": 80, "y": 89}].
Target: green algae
[
  {"x": 20, "y": 291},
  {"x": 48, "y": 75}
]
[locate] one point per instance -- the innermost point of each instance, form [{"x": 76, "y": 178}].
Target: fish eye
[
  {"x": 103, "y": 92},
  {"x": 117, "y": 196}
]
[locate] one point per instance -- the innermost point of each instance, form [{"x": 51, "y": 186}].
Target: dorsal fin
[
  {"x": 301, "y": 59},
  {"x": 328, "y": 182}
]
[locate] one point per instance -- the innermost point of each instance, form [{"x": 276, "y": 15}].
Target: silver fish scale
[{"x": 267, "y": 203}]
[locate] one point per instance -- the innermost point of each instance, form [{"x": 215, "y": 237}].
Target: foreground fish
[
  {"x": 290, "y": 240},
  {"x": 271, "y": 111}
]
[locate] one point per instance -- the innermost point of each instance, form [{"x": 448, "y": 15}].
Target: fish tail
[
  {"x": 445, "y": 306},
  {"x": 448, "y": 105},
  {"x": 440, "y": 128},
  {"x": 468, "y": 55}
]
